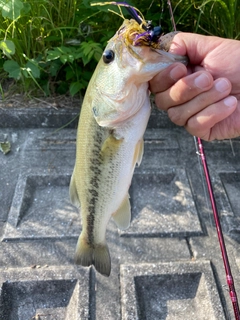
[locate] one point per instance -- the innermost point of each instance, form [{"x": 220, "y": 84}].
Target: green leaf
[
  {"x": 87, "y": 47},
  {"x": 63, "y": 58},
  {"x": 75, "y": 87},
  {"x": 31, "y": 66},
  {"x": 11, "y": 9},
  {"x": 13, "y": 69},
  {"x": 1, "y": 63},
  {"x": 8, "y": 47},
  {"x": 63, "y": 87},
  {"x": 69, "y": 73},
  {"x": 53, "y": 55},
  {"x": 90, "y": 50},
  {"x": 97, "y": 54},
  {"x": 26, "y": 8},
  {"x": 65, "y": 54},
  {"x": 85, "y": 60},
  {"x": 5, "y": 147},
  {"x": 54, "y": 67}
]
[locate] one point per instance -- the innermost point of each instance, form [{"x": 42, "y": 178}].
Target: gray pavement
[{"x": 167, "y": 265}]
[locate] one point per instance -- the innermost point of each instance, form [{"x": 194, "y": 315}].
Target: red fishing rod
[
  {"x": 201, "y": 153},
  {"x": 230, "y": 281}
]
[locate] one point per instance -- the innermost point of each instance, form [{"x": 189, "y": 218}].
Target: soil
[
  {"x": 10, "y": 99},
  {"x": 20, "y": 101}
]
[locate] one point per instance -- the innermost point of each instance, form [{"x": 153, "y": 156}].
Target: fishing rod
[
  {"x": 229, "y": 277},
  {"x": 227, "y": 267}
]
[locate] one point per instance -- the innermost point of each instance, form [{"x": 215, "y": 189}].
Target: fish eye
[{"x": 108, "y": 56}]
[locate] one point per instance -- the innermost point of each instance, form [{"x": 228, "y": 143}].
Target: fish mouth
[{"x": 172, "y": 56}]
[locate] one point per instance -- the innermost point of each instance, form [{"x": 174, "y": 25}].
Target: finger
[
  {"x": 206, "y": 123},
  {"x": 166, "y": 78},
  {"x": 229, "y": 127},
  {"x": 184, "y": 90},
  {"x": 180, "y": 115},
  {"x": 198, "y": 68}
]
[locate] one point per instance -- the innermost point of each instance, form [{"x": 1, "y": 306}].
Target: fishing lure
[
  {"x": 151, "y": 36},
  {"x": 153, "y": 33}
]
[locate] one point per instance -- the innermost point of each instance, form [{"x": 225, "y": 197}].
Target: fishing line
[
  {"x": 162, "y": 12},
  {"x": 171, "y": 15},
  {"x": 201, "y": 153}
]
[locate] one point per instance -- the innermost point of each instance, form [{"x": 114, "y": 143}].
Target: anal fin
[
  {"x": 138, "y": 153},
  {"x": 73, "y": 191},
  {"x": 122, "y": 216}
]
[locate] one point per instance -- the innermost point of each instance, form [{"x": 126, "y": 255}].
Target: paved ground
[{"x": 167, "y": 265}]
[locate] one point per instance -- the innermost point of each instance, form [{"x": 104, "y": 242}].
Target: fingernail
[
  {"x": 177, "y": 73},
  {"x": 230, "y": 101},
  {"x": 221, "y": 85},
  {"x": 202, "y": 81}
]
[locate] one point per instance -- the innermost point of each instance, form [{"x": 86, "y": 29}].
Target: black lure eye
[{"x": 108, "y": 56}]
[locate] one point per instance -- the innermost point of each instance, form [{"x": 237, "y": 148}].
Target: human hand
[{"x": 205, "y": 97}]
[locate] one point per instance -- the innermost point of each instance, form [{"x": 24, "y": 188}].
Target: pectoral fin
[
  {"x": 111, "y": 144},
  {"x": 122, "y": 216},
  {"x": 73, "y": 191},
  {"x": 138, "y": 154}
]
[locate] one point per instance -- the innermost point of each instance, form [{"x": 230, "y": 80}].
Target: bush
[{"x": 53, "y": 46}]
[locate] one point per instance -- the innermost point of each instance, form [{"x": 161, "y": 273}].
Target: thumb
[{"x": 195, "y": 46}]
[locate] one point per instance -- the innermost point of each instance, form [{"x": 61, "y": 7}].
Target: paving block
[
  {"x": 39, "y": 117},
  {"x": 162, "y": 204},
  {"x": 49, "y": 151},
  {"x": 183, "y": 291},
  {"x": 171, "y": 225},
  {"x": 231, "y": 205},
  {"x": 45, "y": 293},
  {"x": 152, "y": 249},
  {"x": 159, "y": 145},
  {"x": 24, "y": 253},
  {"x": 226, "y": 190},
  {"x": 231, "y": 184},
  {"x": 41, "y": 209}
]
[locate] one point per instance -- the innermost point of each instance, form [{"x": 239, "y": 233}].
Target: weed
[{"x": 213, "y": 17}]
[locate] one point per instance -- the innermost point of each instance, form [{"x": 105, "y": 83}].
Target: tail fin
[{"x": 97, "y": 255}]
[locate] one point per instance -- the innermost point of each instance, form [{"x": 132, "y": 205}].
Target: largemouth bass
[{"x": 112, "y": 122}]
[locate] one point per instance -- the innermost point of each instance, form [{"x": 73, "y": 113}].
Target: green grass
[
  {"x": 214, "y": 17},
  {"x": 52, "y": 46}
]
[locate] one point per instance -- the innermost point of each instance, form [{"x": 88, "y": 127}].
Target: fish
[{"x": 113, "y": 119}]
